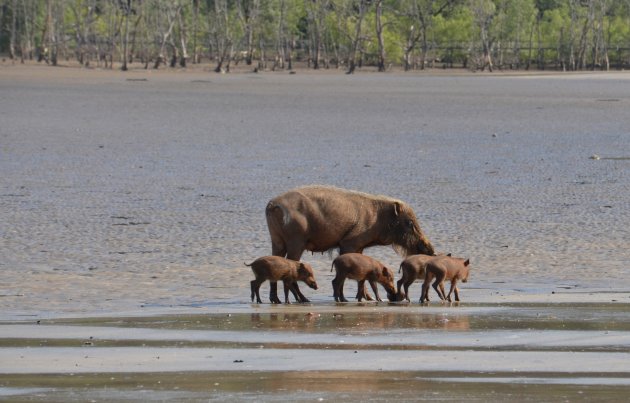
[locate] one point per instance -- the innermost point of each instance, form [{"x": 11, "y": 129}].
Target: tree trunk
[
  {"x": 127, "y": 12},
  {"x": 411, "y": 44},
  {"x": 581, "y": 62},
  {"x": 248, "y": 16},
  {"x": 182, "y": 40},
  {"x": 13, "y": 30},
  {"x": 316, "y": 14},
  {"x": 379, "y": 35},
  {"x": 221, "y": 36},
  {"x": 424, "y": 47},
  {"x": 195, "y": 22},
  {"x": 487, "y": 54},
  {"x": 290, "y": 46},
  {"x": 26, "y": 49},
  {"x": 280, "y": 39},
  {"x": 164, "y": 40},
  {"x": 45, "y": 51},
  {"x": 357, "y": 38}
]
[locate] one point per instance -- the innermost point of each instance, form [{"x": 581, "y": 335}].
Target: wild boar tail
[
  {"x": 272, "y": 206},
  {"x": 248, "y": 265},
  {"x": 332, "y": 265},
  {"x": 400, "y": 267}
]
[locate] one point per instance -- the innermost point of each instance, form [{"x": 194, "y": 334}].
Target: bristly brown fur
[
  {"x": 319, "y": 218},
  {"x": 407, "y": 242},
  {"x": 350, "y": 192}
]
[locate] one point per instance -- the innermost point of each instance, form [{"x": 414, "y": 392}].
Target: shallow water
[{"x": 485, "y": 352}]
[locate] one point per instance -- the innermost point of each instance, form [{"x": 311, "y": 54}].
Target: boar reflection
[{"x": 357, "y": 322}]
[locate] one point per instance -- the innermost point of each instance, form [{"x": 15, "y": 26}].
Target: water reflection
[
  {"x": 373, "y": 318},
  {"x": 358, "y": 322}
]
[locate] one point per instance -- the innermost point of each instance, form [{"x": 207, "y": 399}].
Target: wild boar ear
[
  {"x": 396, "y": 208},
  {"x": 385, "y": 272},
  {"x": 449, "y": 254},
  {"x": 467, "y": 262}
]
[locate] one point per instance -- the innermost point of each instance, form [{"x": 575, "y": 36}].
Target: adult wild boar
[{"x": 321, "y": 218}]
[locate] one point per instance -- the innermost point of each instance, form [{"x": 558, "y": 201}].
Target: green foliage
[
  {"x": 618, "y": 31},
  {"x": 574, "y": 33},
  {"x": 455, "y": 30}
]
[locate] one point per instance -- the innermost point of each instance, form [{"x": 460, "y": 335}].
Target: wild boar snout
[
  {"x": 391, "y": 290},
  {"x": 465, "y": 279}
]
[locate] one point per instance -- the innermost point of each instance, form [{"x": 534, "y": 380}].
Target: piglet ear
[{"x": 467, "y": 262}]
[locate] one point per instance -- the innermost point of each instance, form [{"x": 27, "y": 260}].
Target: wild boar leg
[
  {"x": 340, "y": 283},
  {"x": 428, "y": 277},
  {"x": 335, "y": 291},
  {"x": 407, "y": 284},
  {"x": 360, "y": 290},
  {"x": 407, "y": 291},
  {"x": 399, "y": 285},
  {"x": 362, "y": 293},
  {"x": 425, "y": 291},
  {"x": 453, "y": 288},
  {"x": 436, "y": 287},
  {"x": 278, "y": 248},
  {"x": 255, "y": 285},
  {"x": 287, "y": 285},
  {"x": 375, "y": 289},
  {"x": 273, "y": 293},
  {"x": 353, "y": 246},
  {"x": 297, "y": 294},
  {"x": 299, "y": 297},
  {"x": 293, "y": 252},
  {"x": 337, "y": 283},
  {"x": 439, "y": 279},
  {"x": 446, "y": 297}
]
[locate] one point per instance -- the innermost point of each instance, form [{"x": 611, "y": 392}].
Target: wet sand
[
  {"x": 129, "y": 203},
  {"x": 488, "y": 352}
]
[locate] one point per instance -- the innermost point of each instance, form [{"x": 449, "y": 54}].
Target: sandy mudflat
[
  {"x": 130, "y": 201},
  {"x": 547, "y": 352}
]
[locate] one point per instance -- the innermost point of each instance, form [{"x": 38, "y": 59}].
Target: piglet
[
  {"x": 276, "y": 268},
  {"x": 359, "y": 267},
  {"x": 443, "y": 268},
  {"x": 412, "y": 268}
]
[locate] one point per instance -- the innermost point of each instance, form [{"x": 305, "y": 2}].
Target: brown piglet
[
  {"x": 412, "y": 268},
  {"x": 362, "y": 268},
  {"x": 443, "y": 268},
  {"x": 276, "y": 268}
]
